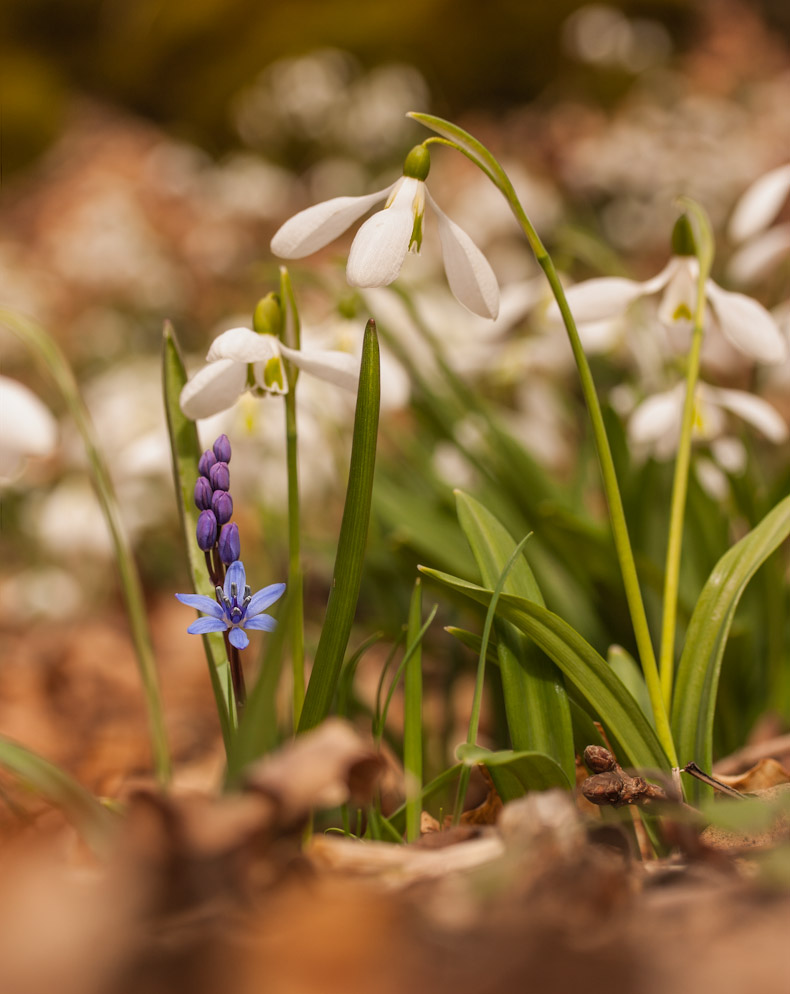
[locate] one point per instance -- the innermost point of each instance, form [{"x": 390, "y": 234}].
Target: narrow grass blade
[
  {"x": 625, "y": 666},
  {"x": 412, "y": 718},
  {"x": 633, "y": 737},
  {"x": 90, "y": 818},
  {"x": 351, "y": 544},
  {"x": 515, "y": 773},
  {"x": 47, "y": 352},
  {"x": 185, "y": 448},
  {"x": 536, "y": 704},
  {"x": 697, "y": 679}
]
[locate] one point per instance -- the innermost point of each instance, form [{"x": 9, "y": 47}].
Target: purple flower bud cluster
[{"x": 212, "y": 499}]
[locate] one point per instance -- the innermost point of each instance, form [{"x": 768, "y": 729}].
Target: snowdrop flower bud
[
  {"x": 229, "y": 544},
  {"x": 203, "y": 493},
  {"x": 219, "y": 476},
  {"x": 222, "y": 506},
  {"x": 222, "y": 449},
  {"x": 207, "y": 460},
  {"x": 206, "y": 530},
  {"x": 683, "y": 237}
]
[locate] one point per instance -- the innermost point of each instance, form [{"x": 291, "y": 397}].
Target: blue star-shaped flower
[{"x": 235, "y": 608}]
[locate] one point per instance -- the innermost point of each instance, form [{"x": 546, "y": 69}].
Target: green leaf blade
[
  {"x": 347, "y": 575},
  {"x": 632, "y": 735},
  {"x": 536, "y": 703},
  {"x": 697, "y": 679}
]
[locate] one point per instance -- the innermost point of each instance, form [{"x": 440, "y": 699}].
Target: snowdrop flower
[
  {"x": 241, "y": 359},
  {"x": 744, "y": 322},
  {"x": 381, "y": 244},
  {"x": 27, "y": 428},
  {"x": 235, "y": 608},
  {"x": 654, "y": 427},
  {"x": 753, "y": 213}
]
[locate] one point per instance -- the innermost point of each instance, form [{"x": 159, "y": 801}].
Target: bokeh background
[{"x": 149, "y": 150}]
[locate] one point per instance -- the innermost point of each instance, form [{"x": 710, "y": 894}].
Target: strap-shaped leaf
[
  {"x": 632, "y": 735},
  {"x": 185, "y": 448},
  {"x": 347, "y": 574},
  {"x": 515, "y": 773},
  {"x": 697, "y": 679},
  {"x": 536, "y": 704}
]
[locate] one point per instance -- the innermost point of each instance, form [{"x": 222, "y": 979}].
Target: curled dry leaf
[
  {"x": 323, "y": 768},
  {"x": 765, "y": 773}
]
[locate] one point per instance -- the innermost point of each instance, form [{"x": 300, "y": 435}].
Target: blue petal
[
  {"x": 203, "y": 625},
  {"x": 238, "y": 638},
  {"x": 261, "y": 622},
  {"x": 205, "y": 604},
  {"x": 235, "y": 575},
  {"x": 263, "y": 598}
]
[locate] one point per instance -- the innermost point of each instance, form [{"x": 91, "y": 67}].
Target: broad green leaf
[
  {"x": 90, "y": 818},
  {"x": 626, "y": 667},
  {"x": 631, "y": 734},
  {"x": 515, "y": 773},
  {"x": 536, "y": 704},
  {"x": 697, "y": 679},
  {"x": 347, "y": 575},
  {"x": 185, "y": 449}
]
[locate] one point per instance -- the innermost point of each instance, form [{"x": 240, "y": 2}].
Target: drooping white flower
[
  {"x": 381, "y": 244},
  {"x": 762, "y": 247},
  {"x": 27, "y": 428},
  {"x": 654, "y": 426},
  {"x": 760, "y": 204},
  {"x": 240, "y": 359},
  {"x": 744, "y": 322}
]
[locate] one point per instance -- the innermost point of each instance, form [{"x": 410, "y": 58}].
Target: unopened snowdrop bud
[
  {"x": 219, "y": 476},
  {"x": 267, "y": 316},
  {"x": 206, "y": 530},
  {"x": 222, "y": 449},
  {"x": 683, "y": 237},
  {"x": 229, "y": 544},
  {"x": 203, "y": 493},
  {"x": 207, "y": 460},
  {"x": 222, "y": 506}
]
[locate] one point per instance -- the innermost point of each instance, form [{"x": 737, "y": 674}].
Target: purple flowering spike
[
  {"x": 222, "y": 449},
  {"x": 203, "y": 494},
  {"x": 206, "y": 530},
  {"x": 229, "y": 543},
  {"x": 219, "y": 476},
  {"x": 207, "y": 460},
  {"x": 222, "y": 506}
]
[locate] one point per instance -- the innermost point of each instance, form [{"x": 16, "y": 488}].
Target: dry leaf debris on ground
[{"x": 204, "y": 892}]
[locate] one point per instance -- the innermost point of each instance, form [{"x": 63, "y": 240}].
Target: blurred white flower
[
  {"x": 744, "y": 322},
  {"x": 382, "y": 243},
  {"x": 240, "y": 359},
  {"x": 27, "y": 428},
  {"x": 754, "y": 212},
  {"x": 654, "y": 427}
]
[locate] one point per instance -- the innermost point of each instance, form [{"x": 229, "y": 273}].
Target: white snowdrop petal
[
  {"x": 760, "y": 204},
  {"x": 335, "y": 367},
  {"x": 469, "y": 273},
  {"x": 747, "y": 325},
  {"x": 26, "y": 425},
  {"x": 753, "y": 410},
  {"x": 657, "y": 418},
  {"x": 317, "y": 226},
  {"x": 381, "y": 244},
  {"x": 213, "y": 388},
  {"x": 598, "y": 299},
  {"x": 759, "y": 256},
  {"x": 243, "y": 345}
]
